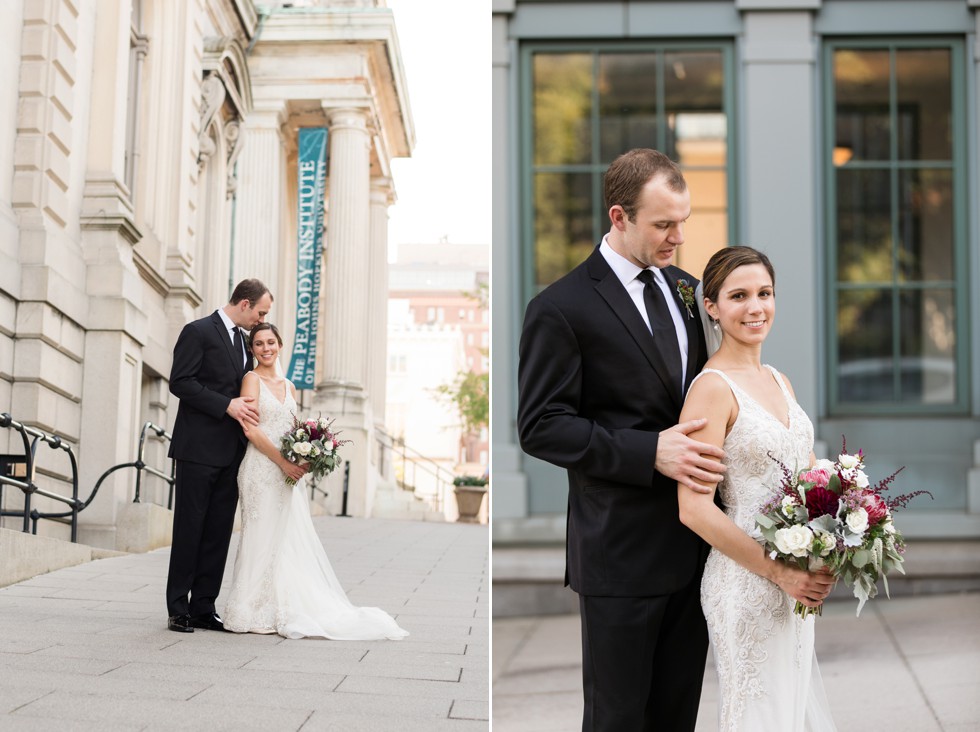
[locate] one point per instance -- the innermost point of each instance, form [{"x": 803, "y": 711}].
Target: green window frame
[
  {"x": 577, "y": 176},
  {"x": 896, "y": 186}
]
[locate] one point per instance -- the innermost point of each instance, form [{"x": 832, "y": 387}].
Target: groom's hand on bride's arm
[
  {"x": 242, "y": 411},
  {"x": 689, "y": 461}
]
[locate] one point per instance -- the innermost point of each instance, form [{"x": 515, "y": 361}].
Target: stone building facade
[{"x": 148, "y": 163}]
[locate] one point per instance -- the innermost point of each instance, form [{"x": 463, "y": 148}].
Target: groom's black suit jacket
[
  {"x": 594, "y": 394},
  {"x": 206, "y": 375}
]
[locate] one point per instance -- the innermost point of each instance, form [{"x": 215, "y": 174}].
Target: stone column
[
  {"x": 258, "y": 207},
  {"x": 10, "y": 65},
  {"x": 346, "y": 278},
  {"x": 510, "y": 483},
  {"x": 341, "y": 389},
  {"x": 376, "y": 343},
  {"x": 117, "y": 324},
  {"x": 10, "y": 273}
]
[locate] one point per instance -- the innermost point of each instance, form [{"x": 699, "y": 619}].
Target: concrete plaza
[
  {"x": 87, "y": 647},
  {"x": 909, "y": 664}
]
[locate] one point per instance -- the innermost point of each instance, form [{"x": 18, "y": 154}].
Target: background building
[
  {"x": 147, "y": 164},
  {"x": 838, "y": 136},
  {"x": 438, "y": 328}
]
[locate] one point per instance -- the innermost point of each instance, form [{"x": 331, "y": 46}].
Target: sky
[{"x": 443, "y": 190}]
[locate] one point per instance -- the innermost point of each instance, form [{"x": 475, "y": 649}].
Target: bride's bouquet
[
  {"x": 831, "y": 516},
  {"x": 313, "y": 442}
]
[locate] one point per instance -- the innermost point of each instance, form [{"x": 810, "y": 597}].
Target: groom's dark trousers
[
  {"x": 594, "y": 393},
  {"x": 208, "y": 446}
]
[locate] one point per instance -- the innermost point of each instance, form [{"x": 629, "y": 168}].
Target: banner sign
[{"x": 312, "y": 181}]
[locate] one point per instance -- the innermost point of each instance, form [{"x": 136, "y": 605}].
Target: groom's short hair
[
  {"x": 251, "y": 290},
  {"x": 632, "y": 170}
]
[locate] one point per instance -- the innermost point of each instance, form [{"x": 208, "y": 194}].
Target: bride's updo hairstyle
[
  {"x": 727, "y": 260},
  {"x": 261, "y": 327}
]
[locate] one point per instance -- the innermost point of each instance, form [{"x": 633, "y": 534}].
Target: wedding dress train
[
  {"x": 767, "y": 670},
  {"x": 283, "y": 582}
]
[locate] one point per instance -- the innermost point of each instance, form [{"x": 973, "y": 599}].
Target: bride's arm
[
  {"x": 712, "y": 398},
  {"x": 250, "y": 387}
]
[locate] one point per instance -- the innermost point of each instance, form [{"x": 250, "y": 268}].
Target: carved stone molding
[
  {"x": 234, "y": 136},
  {"x": 212, "y": 97}
]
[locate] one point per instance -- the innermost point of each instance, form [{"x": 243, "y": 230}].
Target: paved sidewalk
[
  {"x": 909, "y": 664},
  {"x": 87, "y": 648}
]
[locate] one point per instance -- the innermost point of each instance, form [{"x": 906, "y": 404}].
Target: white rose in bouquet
[
  {"x": 302, "y": 448},
  {"x": 857, "y": 520},
  {"x": 795, "y": 540}
]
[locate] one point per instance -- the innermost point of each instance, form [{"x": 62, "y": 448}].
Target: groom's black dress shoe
[
  {"x": 180, "y": 624},
  {"x": 208, "y": 621}
]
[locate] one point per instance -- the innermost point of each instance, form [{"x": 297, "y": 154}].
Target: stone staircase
[{"x": 394, "y": 502}]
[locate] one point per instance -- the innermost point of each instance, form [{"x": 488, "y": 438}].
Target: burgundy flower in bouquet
[{"x": 821, "y": 502}]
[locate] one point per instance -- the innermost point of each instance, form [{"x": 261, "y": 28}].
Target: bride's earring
[{"x": 714, "y": 324}]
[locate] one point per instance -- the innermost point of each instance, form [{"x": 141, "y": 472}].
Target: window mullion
[
  {"x": 893, "y": 157},
  {"x": 661, "y": 100}
]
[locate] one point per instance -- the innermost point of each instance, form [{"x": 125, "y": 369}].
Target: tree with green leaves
[{"x": 470, "y": 394}]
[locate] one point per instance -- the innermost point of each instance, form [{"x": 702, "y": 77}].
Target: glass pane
[
  {"x": 563, "y": 234},
  {"x": 627, "y": 103},
  {"x": 861, "y": 92},
  {"x": 864, "y": 328},
  {"x": 925, "y": 130},
  {"x": 925, "y": 225},
  {"x": 693, "y": 102},
  {"x": 864, "y": 228},
  {"x": 562, "y": 108},
  {"x": 707, "y": 230},
  {"x": 928, "y": 347}
]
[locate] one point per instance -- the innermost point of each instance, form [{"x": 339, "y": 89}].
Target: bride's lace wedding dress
[
  {"x": 283, "y": 582},
  {"x": 767, "y": 669}
]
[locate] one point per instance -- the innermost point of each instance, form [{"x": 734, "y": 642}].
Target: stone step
[{"x": 25, "y": 555}]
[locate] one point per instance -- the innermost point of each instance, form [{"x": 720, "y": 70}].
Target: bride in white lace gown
[
  {"x": 764, "y": 657},
  {"x": 283, "y": 582}
]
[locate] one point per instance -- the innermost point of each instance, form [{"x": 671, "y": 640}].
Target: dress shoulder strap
[
  {"x": 736, "y": 390},
  {"x": 782, "y": 384}
]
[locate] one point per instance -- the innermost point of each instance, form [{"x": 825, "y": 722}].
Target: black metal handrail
[
  {"x": 141, "y": 465},
  {"x": 411, "y": 457},
  {"x": 29, "y": 487}
]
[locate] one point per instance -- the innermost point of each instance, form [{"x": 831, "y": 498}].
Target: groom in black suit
[
  {"x": 606, "y": 356},
  {"x": 210, "y": 360}
]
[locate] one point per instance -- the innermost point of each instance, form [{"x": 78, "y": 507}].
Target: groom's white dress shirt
[
  {"x": 230, "y": 327},
  {"x": 626, "y": 271}
]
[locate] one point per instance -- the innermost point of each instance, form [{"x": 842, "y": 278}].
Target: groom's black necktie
[
  {"x": 662, "y": 325},
  {"x": 239, "y": 349}
]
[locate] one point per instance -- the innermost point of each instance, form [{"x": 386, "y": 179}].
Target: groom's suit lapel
[
  {"x": 695, "y": 336},
  {"x": 612, "y": 291}
]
